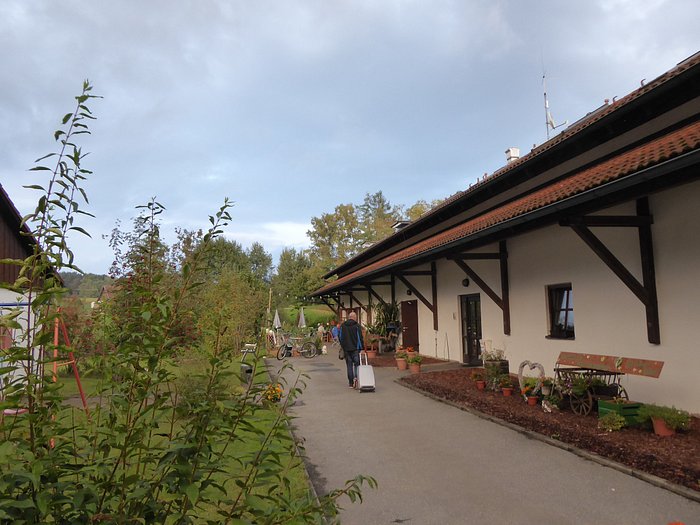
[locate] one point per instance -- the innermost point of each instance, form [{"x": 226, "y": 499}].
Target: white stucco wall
[{"x": 609, "y": 319}]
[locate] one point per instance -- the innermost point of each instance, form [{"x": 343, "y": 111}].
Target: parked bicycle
[{"x": 307, "y": 347}]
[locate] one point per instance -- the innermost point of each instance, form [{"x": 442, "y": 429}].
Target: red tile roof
[
  {"x": 647, "y": 155},
  {"x": 572, "y": 130}
]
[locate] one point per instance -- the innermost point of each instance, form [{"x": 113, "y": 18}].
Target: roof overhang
[{"x": 667, "y": 161}]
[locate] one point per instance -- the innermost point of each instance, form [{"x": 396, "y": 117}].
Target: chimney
[{"x": 512, "y": 154}]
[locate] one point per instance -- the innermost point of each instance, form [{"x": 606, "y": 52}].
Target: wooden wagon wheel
[{"x": 581, "y": 404}]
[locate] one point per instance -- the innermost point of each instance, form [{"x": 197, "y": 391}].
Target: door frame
[
  {"x": 405, "y": 325},
  {"x": 470, "y": 359}
]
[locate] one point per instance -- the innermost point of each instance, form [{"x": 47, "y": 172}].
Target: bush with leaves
[{"x": 138, "y": 457}]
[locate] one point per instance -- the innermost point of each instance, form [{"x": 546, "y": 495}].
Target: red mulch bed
[
  {"x": 390, "y": 360},
  {"x": 676, "y": 459}
]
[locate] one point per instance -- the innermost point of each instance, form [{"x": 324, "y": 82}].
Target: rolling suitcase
[{"x": 365, "y": 375}]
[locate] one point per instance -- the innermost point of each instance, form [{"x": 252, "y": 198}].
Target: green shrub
[
  {"x": 673, "y": 417},
  {"x": 611, "y": 422}
]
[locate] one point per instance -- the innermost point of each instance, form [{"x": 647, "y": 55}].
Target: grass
[{"x": 186, "y": 375}]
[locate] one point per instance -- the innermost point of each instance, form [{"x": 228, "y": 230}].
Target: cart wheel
[
  {"x": 308, "y": 349},
  {"x": 561, "y": 398},
  {"x": 583, "y": 404},
  {"x": 622, "y": 393}
]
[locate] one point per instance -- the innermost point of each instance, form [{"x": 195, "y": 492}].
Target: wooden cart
[{"x": 581, "y": 379}]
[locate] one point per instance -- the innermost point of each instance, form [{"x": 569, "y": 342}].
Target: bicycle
[{"x": 307, "y": 349}]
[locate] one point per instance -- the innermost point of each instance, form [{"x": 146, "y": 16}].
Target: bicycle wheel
[
  {"x": 308, "y": 349},
  {"x": 283, "y": 352}
]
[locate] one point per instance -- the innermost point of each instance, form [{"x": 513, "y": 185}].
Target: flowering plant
[
  {"x": 273, "y": 392},
  {"x": 493, "y": 355}
]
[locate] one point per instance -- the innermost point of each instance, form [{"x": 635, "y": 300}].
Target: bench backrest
[{"x": 611, "y": 363}]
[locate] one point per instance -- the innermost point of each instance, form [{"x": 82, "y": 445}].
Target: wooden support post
[
  {"x": 433, "y": 283},
  {"x": 646, "y": 290},
  {"x": 646, "y": 248},
  {"x": 505, "y": 293}
]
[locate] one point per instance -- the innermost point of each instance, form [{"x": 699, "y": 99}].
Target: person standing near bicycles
[{"x": 351, "y": 340}]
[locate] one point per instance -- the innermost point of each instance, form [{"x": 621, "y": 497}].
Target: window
[{"x": 561, "y": 311}]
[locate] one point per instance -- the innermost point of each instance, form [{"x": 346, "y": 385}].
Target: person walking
[{"x": 351, "y": 340}]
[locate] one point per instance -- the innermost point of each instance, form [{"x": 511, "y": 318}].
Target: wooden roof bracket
[
  {"x": 646, "y": 290},
  {"x": 503, "y": 302},
  {"x": 433, "y": 307},
  {"x": 371, "y": 292},
  {"x": 335, "y": 309}
]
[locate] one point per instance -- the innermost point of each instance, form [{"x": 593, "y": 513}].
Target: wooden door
[
  {"x": 409, "y": 323},
  {"x": 470, "y": 307}
]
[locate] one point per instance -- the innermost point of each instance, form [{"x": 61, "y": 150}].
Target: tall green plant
[{"x": 144, "y": 455}]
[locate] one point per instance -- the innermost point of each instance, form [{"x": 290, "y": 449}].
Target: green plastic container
[{"x": 628, "y": 410}]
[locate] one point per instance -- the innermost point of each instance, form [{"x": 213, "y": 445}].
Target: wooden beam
[
  {"x": 475, "y": 256},
  {"x": 505, "y": 291},
  {"x": 415, "y": 291},
  {"x": 479, "y": 282},
  {"x": 612, "y": 262},
  {"x": 620, "y": 221},
  {"x": 393, "y": 289},
  {"x": 334, "y": 309},
  {"x": 433, "y": 284},
  {"x": 376, "y": 295},
  {"x": 646, "y": 249}
]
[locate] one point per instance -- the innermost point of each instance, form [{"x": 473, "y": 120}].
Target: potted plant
[
  {"x": 414, "y": 363},
  {"x": 495, "y": 358},
  {"x": 410, "y": 351},
  {"x": 401, "y": 360},
  {"x": 506, "y": 385},
  {"x": 528, "y": 390},
  {"x": 666, "y": 420},
  {"x": 479, "y": 378},
  {"x": 493, "y": 376},
  {"x": 547, "y": 384}
]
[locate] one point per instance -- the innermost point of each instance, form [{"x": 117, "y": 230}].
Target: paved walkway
[{"x": 436, "y": 464}]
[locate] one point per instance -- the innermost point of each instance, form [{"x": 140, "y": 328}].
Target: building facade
[{"x": 589, "y": 244}]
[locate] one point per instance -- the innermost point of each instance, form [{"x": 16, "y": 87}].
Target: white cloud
[{"x": 272, "y": 235}]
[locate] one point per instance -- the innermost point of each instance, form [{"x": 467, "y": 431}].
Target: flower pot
[
  {"x": 295, "y": 353},
  {"x": 480, "y": 385},
  {"x": 660, "y": 427},
  {"x": 507, "y": 391},
  {"x": 414, "y": 368},
  {"x": 546, "y": 390},
  {"x": 410, "y": 354},
  {"x": 401, "y": 363},
  {"x": 532, "y": 400},
  {"x": 371, "y": 354}
]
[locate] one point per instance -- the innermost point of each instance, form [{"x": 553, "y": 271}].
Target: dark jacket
[{"x": 351, "y": 336}]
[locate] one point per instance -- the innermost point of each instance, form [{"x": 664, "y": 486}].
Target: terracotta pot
[
  {"x": 661, "y": 428},
  {"x": 401, "y": 363},
  {"x": 295, "y": 353},
  {"x": 410, "y": 354},
  {"x": 414, "y": 368},
  {"x": 371, "y": 354},
  {"x": 480, "y": 385},
  {"x": 507, "y": 391},
  {"x": 532, "y": 400}
]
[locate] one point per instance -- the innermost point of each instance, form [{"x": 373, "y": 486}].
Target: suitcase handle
[{"x": 366, "y": 362}]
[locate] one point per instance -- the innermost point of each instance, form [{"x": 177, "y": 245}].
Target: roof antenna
[{"x": 549, "y": 121}]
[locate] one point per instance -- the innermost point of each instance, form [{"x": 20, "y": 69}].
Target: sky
[{"x": 290, "y": 108}]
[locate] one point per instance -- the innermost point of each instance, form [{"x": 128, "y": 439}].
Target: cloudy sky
[{"x": 292, "y": 107}]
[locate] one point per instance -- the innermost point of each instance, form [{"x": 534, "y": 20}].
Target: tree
[
  {"x": 421, "y": 207},
  {"x": 260, "y": 262},
  {"x": 294, "y": 278},
  {"x": 376, "y": 216}
]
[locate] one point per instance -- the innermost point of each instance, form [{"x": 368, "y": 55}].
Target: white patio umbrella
[
  {"x": 302, "y": 321},
  {"x": 276, "y": 322}
]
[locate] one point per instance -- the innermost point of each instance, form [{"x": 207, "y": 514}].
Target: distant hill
[{"x": 85, "y": 285}]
